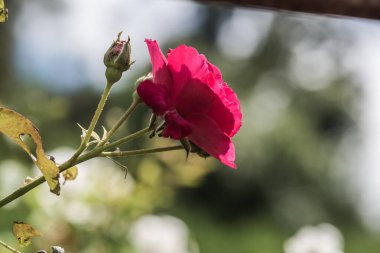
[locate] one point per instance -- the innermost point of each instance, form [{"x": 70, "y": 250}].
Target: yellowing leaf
[
  {"x": 70, "y": 174},
  {"x": 24, "y": 233},
  {"x": 3, "y": 12},
  {"x": 14, "y": 125}
]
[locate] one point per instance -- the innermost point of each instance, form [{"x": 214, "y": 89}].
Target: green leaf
[{"x": 14, "y": 125}]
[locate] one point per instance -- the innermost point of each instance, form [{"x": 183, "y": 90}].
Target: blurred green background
[{"x": 298, "y": 152}]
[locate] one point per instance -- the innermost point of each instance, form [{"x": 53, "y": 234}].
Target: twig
[
  {"x": 94, "y": 120},
  {"x": 140, "y": 151},
  {"x": 9, "y": 247},
  {"x": 119, "y": 123}
]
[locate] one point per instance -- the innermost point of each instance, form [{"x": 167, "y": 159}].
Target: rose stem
[
  {"x": 68, "y": 164},
  {"x": 94, "y": 120},
  {"x": 140, "y": 151},
  {"x": 123, "y": 118}
]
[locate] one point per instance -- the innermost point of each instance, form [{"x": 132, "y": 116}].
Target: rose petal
[
  {"x": 208, "y": 136},
  {"x": 228, "y": 101},
  {"x": 176, "y": 127},
  {"x": 226, "y": 109},
  {"x": 160, "y": 71},
  {"x": 188, "y": 67},
  {"x": 155, "y": 96},
  {"x": 185, "y": 64},
  {"x": 195, "y": 97},
  {"x": 233, "y": 104},
  {"x": 216, "y": 72}
]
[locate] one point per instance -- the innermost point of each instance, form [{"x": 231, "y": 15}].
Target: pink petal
[
  {"x": 216, "y": 72},
  {"x": 223, "y": 107},
  {"x": 233, "y": 104},
  {"x": 155, "y": 96},
  {"x": 176, "y": 127},
  {"x": 226, "y": 109},
  {"x": 160, "y": 71},
  {"x": 185, "y": 64},
  {"x": 188, "y": 67},
  {"x": 208, "y": 136},
  {"x": 195, "y": 97},
  {"x": 229, "y": 101},
  {"x": 216, "y": 100}
]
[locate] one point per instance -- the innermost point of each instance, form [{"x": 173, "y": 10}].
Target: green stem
[
  {"x": 9, "y": 247},
  {"x": 125, "y": 139},
  {"x": 94, "y": 120},
  {"x": 140, "y": 151},
  {"x": 68, "y": 164},
  {"x": 123, "y": 118},
  {"x": 97, "y": 151}
]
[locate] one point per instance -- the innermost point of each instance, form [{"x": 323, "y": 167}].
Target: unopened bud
[
  {"x": 117, "y": 59},
  {"x": 135, "y": 95}
]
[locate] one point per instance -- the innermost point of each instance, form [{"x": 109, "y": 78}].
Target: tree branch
[{"x": 354, "y": 8}]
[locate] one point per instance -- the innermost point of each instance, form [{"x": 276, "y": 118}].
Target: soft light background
[{"x": 307, "y": 152}]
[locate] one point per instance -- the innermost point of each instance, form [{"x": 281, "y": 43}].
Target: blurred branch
[
  {"x": 9, "y": 247},
  {"x": 354, "y": 8}
]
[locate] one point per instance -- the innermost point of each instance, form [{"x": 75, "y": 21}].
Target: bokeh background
[{"x": 307, "y": 152}]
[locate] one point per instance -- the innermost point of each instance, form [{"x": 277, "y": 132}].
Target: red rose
[{"x": 189, "y": 93}]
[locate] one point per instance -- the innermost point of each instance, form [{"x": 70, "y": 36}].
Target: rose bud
[{"x": 117, "y": 59}]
